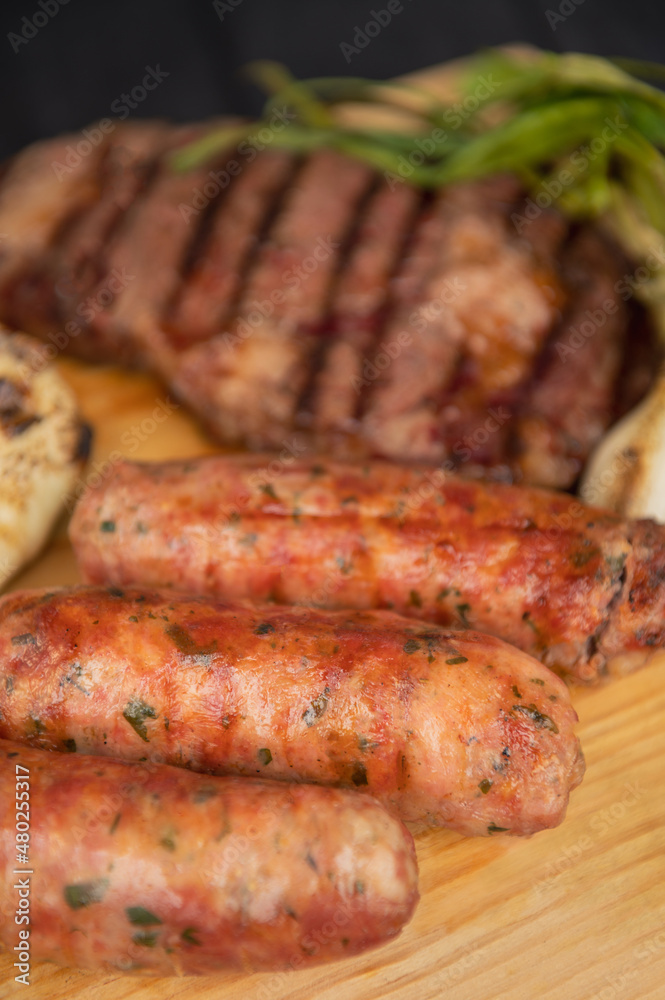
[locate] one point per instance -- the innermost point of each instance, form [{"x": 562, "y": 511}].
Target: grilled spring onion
[{"x": 540, "y": 110}]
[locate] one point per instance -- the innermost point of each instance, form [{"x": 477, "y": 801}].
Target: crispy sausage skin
[
  {"x": 578, "y": 587},
  {"x": 446, "y": 728},
  {"x": 149, "y": 867}
]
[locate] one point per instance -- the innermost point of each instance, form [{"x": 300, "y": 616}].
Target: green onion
[
  {"x": 83, "y": 894},
  {"x": 277, "y": 80},
  {"x": 141, "y": 917}
]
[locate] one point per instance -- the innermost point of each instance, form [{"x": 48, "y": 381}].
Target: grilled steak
[
  {"x": 311, "y": 296},
  {"x": 569, "y": 403},
  {"x": 472, "y": 333},
  {"x": 57, "y": 289},
  {"x": 359, "y": 305},
  {"x": 45, "y": 186},
  {"x": 148, "y": 252},
  {"x": 256, "y": 371},
  {"x": 210, "y": 293}
]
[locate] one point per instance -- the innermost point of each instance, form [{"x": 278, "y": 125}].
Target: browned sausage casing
[
  {"x": 578, "y": 587},
  {"x": 148, "y": 867},
  {"x": 448, "y": 728}
]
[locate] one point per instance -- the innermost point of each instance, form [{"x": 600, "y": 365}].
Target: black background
[{"x": 91, "y": 51}]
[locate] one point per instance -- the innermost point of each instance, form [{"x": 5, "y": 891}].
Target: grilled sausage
[
  {"x": 453, "y": 729},
  {"x": 148, "y": 867},
  {"x": 580, "y": 588}
]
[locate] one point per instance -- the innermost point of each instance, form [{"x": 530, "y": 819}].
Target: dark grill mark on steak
[
  {"x": 52, "y": 294},
  {"x": 399, "y": 408},
  {"x": 407, "y": 286},
  {"x": 211, "y": 291},
  {"x": 61, "y": 195},
  {"x": 326, "y": 331},
  {"x": 35, "y": 202},
  {"x": 359, "y": 306},
  {"x": 570, "y": 399},
  {"x": 148, "y": 253},
  {"x": 259, "y": 365},
  {"x": 31, "y": 299},
  {"x": 496, "y": 358},
  {"x": 131, "y": 167},
  {"x": 478, "y": 324}
]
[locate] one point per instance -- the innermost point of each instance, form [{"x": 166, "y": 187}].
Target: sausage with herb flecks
[
  {"x": 578, "y": 587},
  {"x": 148, "y": 867},
  {"x": 447, "y": 728}
]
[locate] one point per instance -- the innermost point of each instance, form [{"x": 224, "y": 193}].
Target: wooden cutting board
[{"x": 577, "y": 912}]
